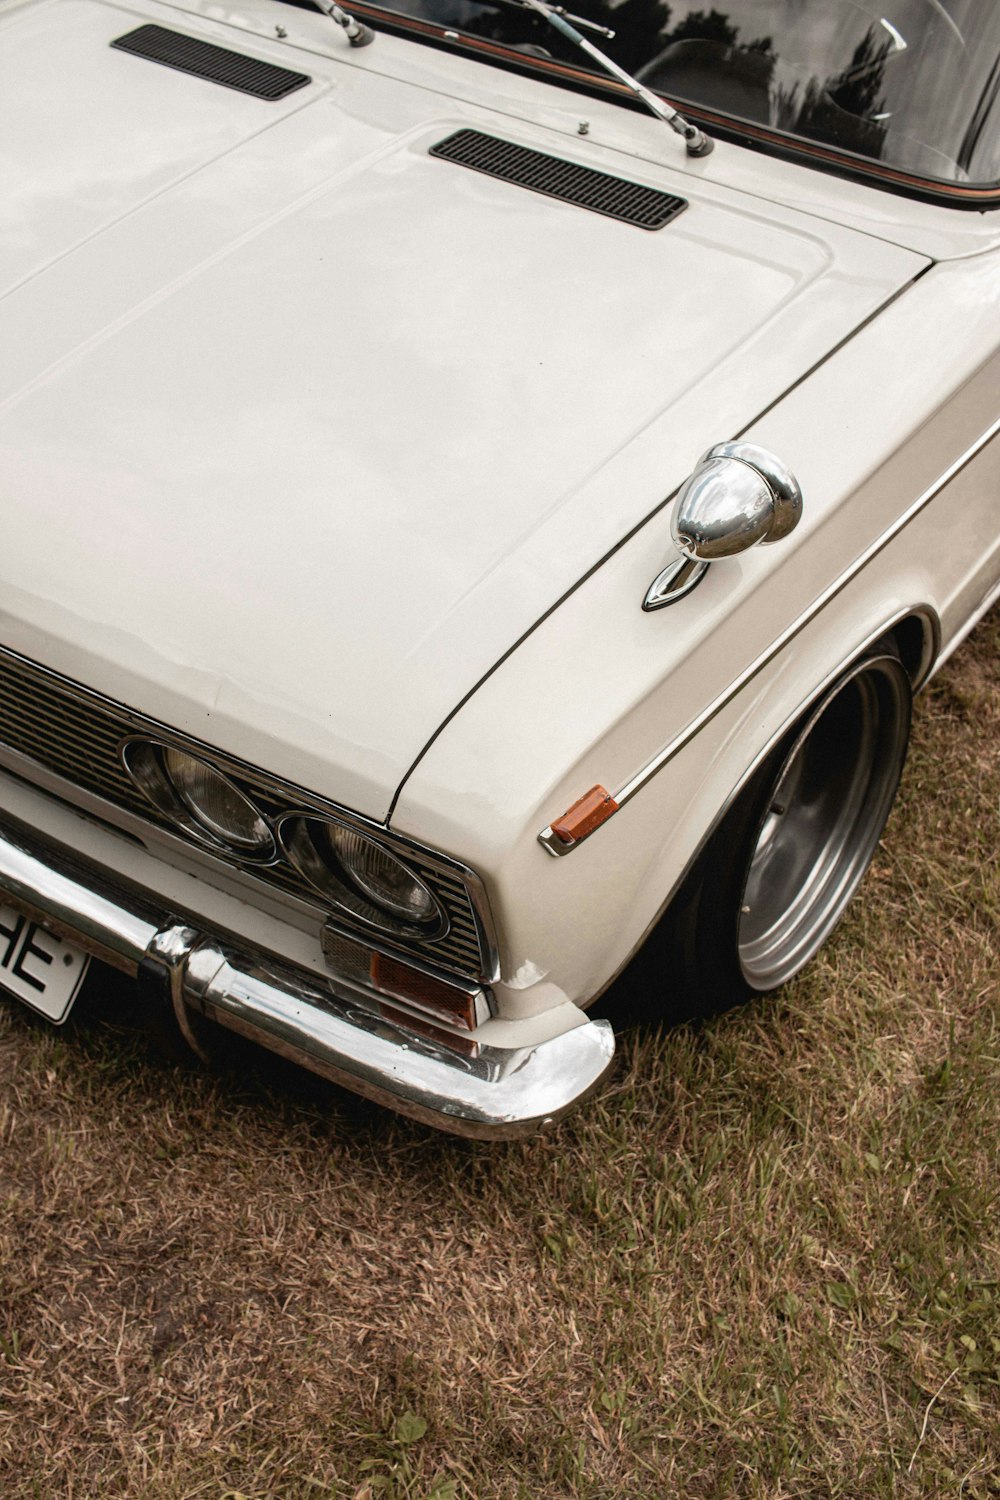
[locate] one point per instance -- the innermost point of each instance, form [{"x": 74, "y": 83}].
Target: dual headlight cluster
[{"x": 351, "y": 870}]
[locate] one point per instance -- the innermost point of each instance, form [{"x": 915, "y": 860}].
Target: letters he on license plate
[{"x": 38, "y": 967}]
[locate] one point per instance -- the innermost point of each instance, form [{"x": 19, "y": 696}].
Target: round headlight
[
  {"x": 359, "y": 875},
  {"x": 200, "y": 800},
  {"x": 384, "y": 879},
  {"x": 223, "y": 812}
]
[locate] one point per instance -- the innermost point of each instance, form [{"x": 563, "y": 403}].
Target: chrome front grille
[{"x": 74, "y": 734}]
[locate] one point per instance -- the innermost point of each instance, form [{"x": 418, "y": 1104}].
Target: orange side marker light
[{"x": 593, "y": 809}]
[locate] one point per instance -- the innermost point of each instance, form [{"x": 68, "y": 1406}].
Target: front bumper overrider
[{"x": 328, "y": 1026}]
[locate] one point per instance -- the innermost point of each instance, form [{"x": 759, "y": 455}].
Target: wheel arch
[
  {"x": 916, "y": 631},
  {"x": 918, "y": 635}
]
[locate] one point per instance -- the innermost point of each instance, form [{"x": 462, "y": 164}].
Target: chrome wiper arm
[
  {"x": 560, "y": 10},
  {"x": 698, "y": 143},
  {"x": 357, "y": 35},
  {"x": 567, "y": 15}
]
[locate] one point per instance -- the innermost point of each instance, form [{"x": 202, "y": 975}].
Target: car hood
[{"x": 301, "y": 428}]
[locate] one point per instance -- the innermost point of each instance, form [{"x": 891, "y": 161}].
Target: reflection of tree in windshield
[
  {"x": 702, "y": 60},
  {"x": 833, "y": 73},
  {"x": 701, "y": 27},
  {"x": 642, "y": 29},
  {"x": 636, "y": 23},
  {"x": 644, "y": 32},
  {"x": 844, "y": 110}
]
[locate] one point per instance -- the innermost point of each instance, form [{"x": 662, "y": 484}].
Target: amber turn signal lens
[
  {"x": 452, "y": 1004},
  {"x": 593, "y": 808},
  {"x": 447, "y": 1001}
]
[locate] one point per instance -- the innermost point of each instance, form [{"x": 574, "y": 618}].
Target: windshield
[{"x": 910, "y": 85}]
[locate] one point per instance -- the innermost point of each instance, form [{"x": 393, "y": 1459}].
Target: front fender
[{"x": 899, "y": 471}]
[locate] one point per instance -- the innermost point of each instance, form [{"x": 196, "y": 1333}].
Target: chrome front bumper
[{"x": 329, "y": 1027}]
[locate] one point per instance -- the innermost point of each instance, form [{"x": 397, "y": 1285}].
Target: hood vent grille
[
  {"x": 630, "y": 202},
  {"x": 217, "y": 64}
]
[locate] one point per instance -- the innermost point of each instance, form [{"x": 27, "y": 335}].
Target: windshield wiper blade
[{"x": 698, "y": 143}]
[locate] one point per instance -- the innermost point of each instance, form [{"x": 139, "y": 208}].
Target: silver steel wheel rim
[{"x": 827, "y": 808}]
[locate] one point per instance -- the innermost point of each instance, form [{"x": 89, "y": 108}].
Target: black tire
[{"x": 776, "y": 875}]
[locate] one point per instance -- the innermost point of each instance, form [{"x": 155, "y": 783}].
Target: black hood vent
[
  {"x": 217, "y": 64},
  {"x": 631, "y": 202}
]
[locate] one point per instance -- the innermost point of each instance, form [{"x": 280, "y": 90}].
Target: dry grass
[{"x": 764, "y": 1264}]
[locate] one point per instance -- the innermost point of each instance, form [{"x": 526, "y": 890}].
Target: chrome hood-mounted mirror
[{"x": 738, "y": 496}]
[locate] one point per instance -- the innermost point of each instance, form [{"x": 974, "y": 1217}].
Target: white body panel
[
  {"x": 274, "y": 405},
  {"x": 356, "y": 465},
  {"x": 864, "y": 450}
]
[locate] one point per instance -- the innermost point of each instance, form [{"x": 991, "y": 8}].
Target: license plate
[{"x": 38, "y": 967}]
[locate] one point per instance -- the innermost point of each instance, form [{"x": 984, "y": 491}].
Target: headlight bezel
[
  {"x": 325, "y": 872},
  {"x": 144, "y": 759},
  {"x": 289, "y": 842}
]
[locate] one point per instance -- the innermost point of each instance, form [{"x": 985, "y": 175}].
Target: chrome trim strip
[
  {"x": 829, "y": 593},
  {"x": 991, "y": 598},
  {"x": 922, "y": 612},
  {"x": 327, "y": 1027},
  {"x": 639, "y": 780}
]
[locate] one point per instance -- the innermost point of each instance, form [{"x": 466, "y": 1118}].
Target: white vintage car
[{"x": 480, "y": 486}]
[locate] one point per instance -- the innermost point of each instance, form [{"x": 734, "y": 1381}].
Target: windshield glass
[{"x": 911, "y": 84}]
